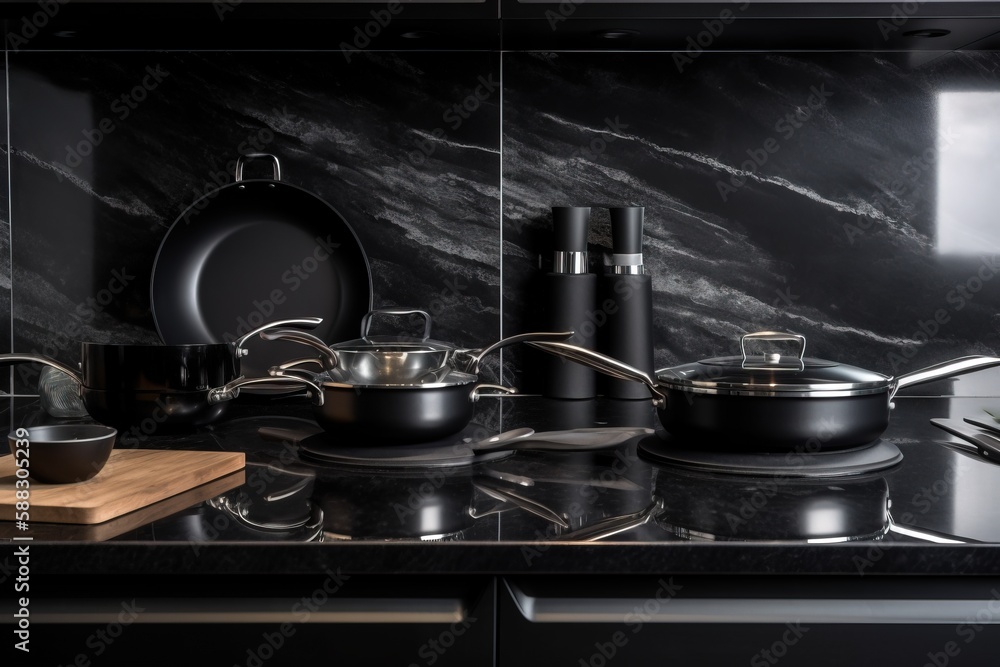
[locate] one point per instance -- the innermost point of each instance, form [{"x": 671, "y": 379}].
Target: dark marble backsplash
[
  {"x": 797, "y": 193},
  {"x": 842, "y": 196}
]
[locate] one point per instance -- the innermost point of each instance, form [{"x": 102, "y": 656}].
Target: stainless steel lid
[{"x": 773, "y": 373}]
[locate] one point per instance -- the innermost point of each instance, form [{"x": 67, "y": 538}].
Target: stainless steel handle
[
  {"x": 366, "y": 321},
  {"x": 231, "y": 390},
  {"x": 328, "y": 357},
  {"x": 773, "y": 335},
  {"x": 604, "y": 364},
  {"x": 807, "y": 611},
  {"x": 945, "y": 369},
  {"x": 243, "y": 159},
  {"x": 527, "y": 504},
  {"x": 468, "y": 360},
  {"x": 305, "y": 322},
  {"x": 498, "y": 390},
  {"x": 39, "y": 359},
  {"x": 250, "y": 610},
  {"x": 613, "y": 525}
]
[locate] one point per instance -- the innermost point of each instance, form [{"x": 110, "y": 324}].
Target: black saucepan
[
  {"x": 437, "y": 407},
  {"x": 771, "y": 402},
  {"x": 149, "y": 387}
]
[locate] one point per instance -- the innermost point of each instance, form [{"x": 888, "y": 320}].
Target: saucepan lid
[{"x": 773, "y": 372}]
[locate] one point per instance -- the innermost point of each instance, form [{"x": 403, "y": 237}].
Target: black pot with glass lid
[{"x": 772, "y": 401}]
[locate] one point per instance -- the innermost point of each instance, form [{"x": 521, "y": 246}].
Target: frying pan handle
[
  {"x": 468, "y": 360},
  {"x": 945, "y": 369},
  {"x": 327, "y": 356},
  {"x": 773, "y": 335},
  {"x": 496, "y": 390},
  {"x": 304, "y": 322},
  {"x": 604, "y": 364},
  {"x": 366, "y": 321},
  {"x": 243, "y": 159},
  {"x": 6, "y": 359},
  {"x": 230, "y": 391}
]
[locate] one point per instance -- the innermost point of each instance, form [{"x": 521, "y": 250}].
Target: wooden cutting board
[{"x": 131, "y": 479}]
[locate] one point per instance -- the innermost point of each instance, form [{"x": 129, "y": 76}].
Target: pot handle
[
  {"x": 605, "y": 364},
  {"x": 6, "y": 359},
  {"x": 469, "y": 360},
  {"x": 327, "y": 356},
  {"x": 231, "y": 390},
  {"x": 366, "y": 321},
  {"x": 773, "y": 335},
  {"x": 945, "y": 369},
  {"x": 496, "y": 390},
  {"x": 304, "y": 322},
  {"x": 243, "y": 159}
]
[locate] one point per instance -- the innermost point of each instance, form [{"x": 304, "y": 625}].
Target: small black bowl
[{"x": 64, "y": 453}]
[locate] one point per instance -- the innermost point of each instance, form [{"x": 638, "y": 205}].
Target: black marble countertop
[{"x": 291, "y": 516}]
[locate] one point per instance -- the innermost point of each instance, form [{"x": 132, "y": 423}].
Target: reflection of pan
[{"x": 254, "y": 251}]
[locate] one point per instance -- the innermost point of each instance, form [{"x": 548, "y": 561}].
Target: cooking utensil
[
  {"x": 162, "y": 386},
  {"x": 64, "y": 453},
  {"x": 991, "y": 426},
  {"x": 396, "y": 413},
  {"x": 771, "y": 402},
  {"x": 256, "y": 250},
  {"x": 986, "y": 445},
  {"x": 384, "y": 360}
]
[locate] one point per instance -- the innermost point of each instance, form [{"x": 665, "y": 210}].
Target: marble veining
[
  {"x": 370, "y": 138},
  {"x": 789, "y": 192}
]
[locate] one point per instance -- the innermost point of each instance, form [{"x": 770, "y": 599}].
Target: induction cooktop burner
[
  {"x": 662, "y": 449},
  {"x": 446, "y": 453}
]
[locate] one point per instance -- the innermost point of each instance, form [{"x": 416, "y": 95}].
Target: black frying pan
[{"x": 254, "y": 251}]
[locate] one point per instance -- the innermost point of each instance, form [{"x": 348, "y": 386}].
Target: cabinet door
[
  {"x": 276, "y": 621},
  {"x": 580, "y": 622}
]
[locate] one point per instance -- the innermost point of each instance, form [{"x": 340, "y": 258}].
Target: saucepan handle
[
  {"x": 231, "y": 390},
  {"x": 327, "y": 356},
  {"x": 773, "y": 335},
  {"x": 468, "y": 360},
  {"x": 366, "y": 321},
  {"x": 941, "y": 371},
  {"x": 6, "y": 359},
  {"x": 494, "y": 389},
  {"x": 243, "y": 159},
  {"x": 604, "y": 364},
  {"x": 304, "y": 322}
]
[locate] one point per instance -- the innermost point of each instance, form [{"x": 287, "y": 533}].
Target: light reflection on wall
[{"x": 968, "y": 177}]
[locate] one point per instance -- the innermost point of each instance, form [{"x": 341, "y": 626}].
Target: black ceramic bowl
[{"x": 64, "y": 453}]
